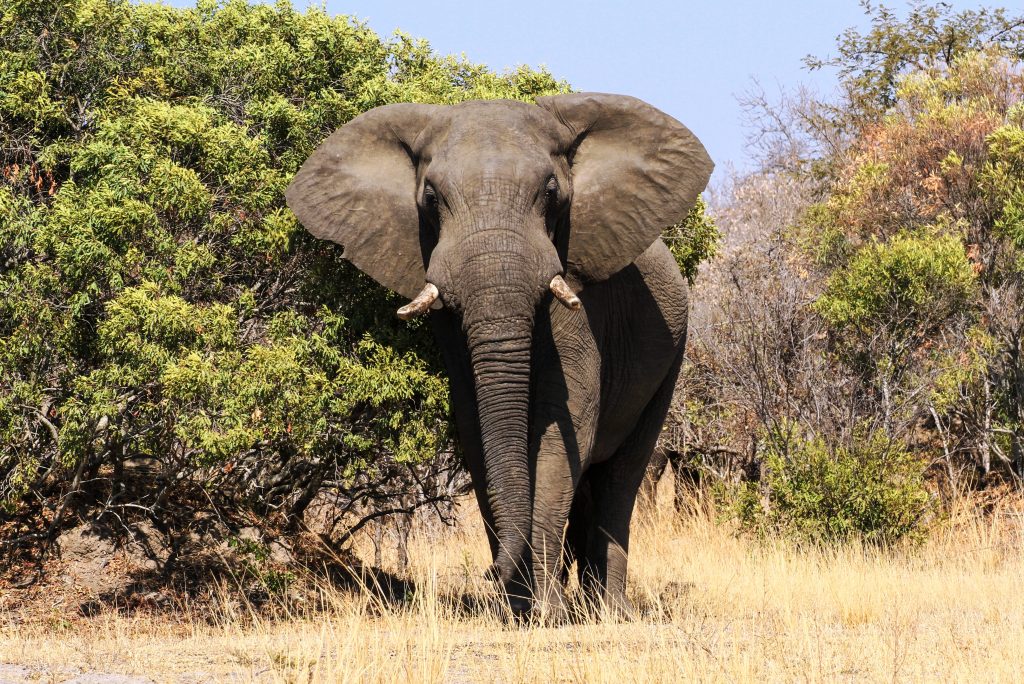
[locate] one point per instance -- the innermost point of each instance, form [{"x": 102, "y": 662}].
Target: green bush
[
  {"x": 871, "y": 489},
  {"x": 894, "y": 300},
  {"x": 909, "y": 285},
  {"x": 693, "y": 240},
  {"x": 157, "y": 299},
  {"x": 1003, "y": 179}
]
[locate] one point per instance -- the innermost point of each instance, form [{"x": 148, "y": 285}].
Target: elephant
[{"x": 529, "y": 234}]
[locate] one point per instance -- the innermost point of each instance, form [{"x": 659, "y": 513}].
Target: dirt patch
[
  {"x": 20, "y": 674},
  {"x": 88, "y": 557}
]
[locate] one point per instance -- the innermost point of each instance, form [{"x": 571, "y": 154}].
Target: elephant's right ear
[
  {"x": 635, "y": 171},
  {"x": 358, "y": 189}
]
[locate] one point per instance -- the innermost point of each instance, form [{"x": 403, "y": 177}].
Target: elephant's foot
[
  {"x": 551, "y": 608},
  {"x": 518, "y": 598},
  {"x": 608, "y": 603},
  {"x": 518, "y": 608},
  {"x": 515, "y": 602},
  {"x": 617, "y": 606}
]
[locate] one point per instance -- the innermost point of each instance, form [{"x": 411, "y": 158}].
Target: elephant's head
[{"x": 481, "y": 207}]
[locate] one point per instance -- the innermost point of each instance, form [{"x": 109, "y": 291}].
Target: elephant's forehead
[
  {"x": 495, "y": 127},
  {"x": 499, "y": 171}
]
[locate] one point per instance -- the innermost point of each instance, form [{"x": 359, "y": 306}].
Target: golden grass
[{"x": 717, "y": 608}]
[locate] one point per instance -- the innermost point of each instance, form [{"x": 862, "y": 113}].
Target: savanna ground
[{"x": 715, "y": 608}]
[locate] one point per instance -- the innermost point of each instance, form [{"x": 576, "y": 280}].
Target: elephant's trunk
[
  {"x": 500, "y": 352},
  {"x": 496, "y": 276}
]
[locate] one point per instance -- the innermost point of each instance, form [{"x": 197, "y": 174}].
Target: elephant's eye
[
  {"x": 551, "y": 191},
  {"x": 429, "y": 197},
  {"x": 551, "y": 206}
]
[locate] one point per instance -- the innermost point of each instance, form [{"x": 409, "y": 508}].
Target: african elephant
[{"x": 530, "y": 236}]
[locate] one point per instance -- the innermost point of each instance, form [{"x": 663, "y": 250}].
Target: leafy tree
[
  {"x": 919, "y": 245},
  {"x": 871, "y": 65},
  {"x": 870, "y": 272},
  {"x": 894, "y": 297}
]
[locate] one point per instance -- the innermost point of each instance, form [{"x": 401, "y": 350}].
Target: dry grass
[{"x": 717, "y": 609}]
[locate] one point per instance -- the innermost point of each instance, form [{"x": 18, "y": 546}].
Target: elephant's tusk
[
  {"x": 564, "y": 294},
  {"x": 418, "y": 306}
]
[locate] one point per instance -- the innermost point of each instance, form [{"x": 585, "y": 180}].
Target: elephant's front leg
[
  {"x": 557, "y": 474},
  {"x": 614, "y": 485},
  {"x": 566, "y": 397}
]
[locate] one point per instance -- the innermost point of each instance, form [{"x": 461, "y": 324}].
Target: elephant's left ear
[{"x": 635, "y": 171}]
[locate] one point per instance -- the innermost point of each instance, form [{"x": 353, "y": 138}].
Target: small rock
[
  {"x": 150, "y": 564},
  {"x": 157, "y": 599},
  {"x": 279, "y": 553}
]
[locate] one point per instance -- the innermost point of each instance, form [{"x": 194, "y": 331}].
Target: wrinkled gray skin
[{"x": 557, "y": 410}]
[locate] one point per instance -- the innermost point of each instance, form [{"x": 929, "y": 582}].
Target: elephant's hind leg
[{"x": 614, "y": 485}]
